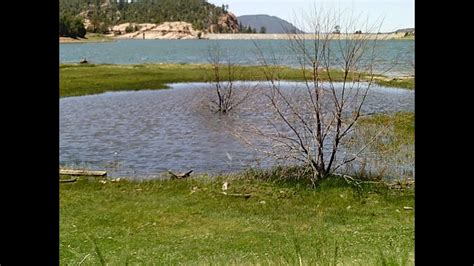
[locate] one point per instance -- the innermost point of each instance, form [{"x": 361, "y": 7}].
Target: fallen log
[
  {"x": 246, "y": 196},
  {"x": 68, "y": 180},
  {"x": 81, "y": 172}
]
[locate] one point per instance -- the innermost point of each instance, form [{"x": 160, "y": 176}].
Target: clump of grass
[
  {"x": 300, "y": 174},
  {"x": 407, "y": 83},
  {"x": 98, "y": 252},
  {"x": 390, "y": 154}
]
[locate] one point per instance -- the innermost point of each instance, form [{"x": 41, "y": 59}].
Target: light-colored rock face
[
  {"x": 166, "y": 30},
  {"x": 87, "y": 23},
  {"x": 122, "y": 27},
  {"x": 227, "y": 21},
  {"x": 176, "y": 26}
]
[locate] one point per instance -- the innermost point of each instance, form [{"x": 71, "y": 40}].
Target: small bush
[{"x": 129, "y": 29}]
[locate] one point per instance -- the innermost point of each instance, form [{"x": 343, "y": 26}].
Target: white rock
[{"x": 225, "y": 186}]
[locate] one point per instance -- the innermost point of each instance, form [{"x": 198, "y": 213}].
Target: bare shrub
[
  {"x": 222, "y": 78},
  {"x": 311, "y": 125}
]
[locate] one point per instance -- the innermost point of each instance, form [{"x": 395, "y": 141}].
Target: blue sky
[{"x": 396, "y": 14}]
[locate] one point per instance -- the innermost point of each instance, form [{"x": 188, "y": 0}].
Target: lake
[
  {"x": 395, "y": 57},
  {"x": 142, "y": 134}
]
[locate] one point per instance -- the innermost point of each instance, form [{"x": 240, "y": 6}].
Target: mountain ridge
[{"x": 272, "y": 24}]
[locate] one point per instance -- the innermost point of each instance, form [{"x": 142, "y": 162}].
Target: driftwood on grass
[
  {"x": 180, "y": 175},
  {"x": 246, "y": 196},
  {"x": 74, "y": 179},
  {"x": 81, "y": 172},
  {"x": 399, "y": 184}
]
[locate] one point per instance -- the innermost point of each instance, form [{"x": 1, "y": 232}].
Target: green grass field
[{"x": 190, "y": 222}]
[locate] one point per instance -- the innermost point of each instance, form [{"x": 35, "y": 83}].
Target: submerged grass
[
  {"x": 193, "y": 222},
  {"x": 391, "y": 154},
  {"x": 406, "y": 83},
  {"x": 76, "y": 80},
  {"x": 401, "y": 127}
]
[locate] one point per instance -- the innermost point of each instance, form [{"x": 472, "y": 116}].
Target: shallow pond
[{"x": 141, "y": 134}]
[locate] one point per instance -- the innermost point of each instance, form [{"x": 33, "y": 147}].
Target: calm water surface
[{"x": 394, "y": 56}]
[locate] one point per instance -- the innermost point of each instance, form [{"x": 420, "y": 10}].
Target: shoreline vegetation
[
  {"x": 193, "y": 221},
  {"x": 90, "y": 37},
  {"x": 95, "y": 37},
  {"x": 86, "y": 79}
]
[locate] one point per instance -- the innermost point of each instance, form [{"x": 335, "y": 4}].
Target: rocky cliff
[
  {"x": 176, "y": 30},
  {"x": 227, "y": 23}
]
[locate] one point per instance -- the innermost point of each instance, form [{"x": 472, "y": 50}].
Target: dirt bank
[{"x": 278, "y": 36}]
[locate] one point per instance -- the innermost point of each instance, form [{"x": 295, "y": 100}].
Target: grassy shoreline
[
  {"x": 90, "y": 37},
  {"x": 192, "y": 221},
  {"x": 251, "y": 36},
  {"x": 284, "y": 221},
  {"x": 77, "y": 80}
]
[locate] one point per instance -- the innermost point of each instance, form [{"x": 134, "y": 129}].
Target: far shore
[
  {"x": 285, "y": 36},
  {"x": 90, "y": 37},
  {"x": 71, "y": 40},
  {"x": 254, "y": 36}
]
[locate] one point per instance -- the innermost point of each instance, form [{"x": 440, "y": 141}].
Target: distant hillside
[
  {"x": 100, "y": 15},
  {"x": 271, "y": 23},
  {"x": 409, "y": 30}
]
